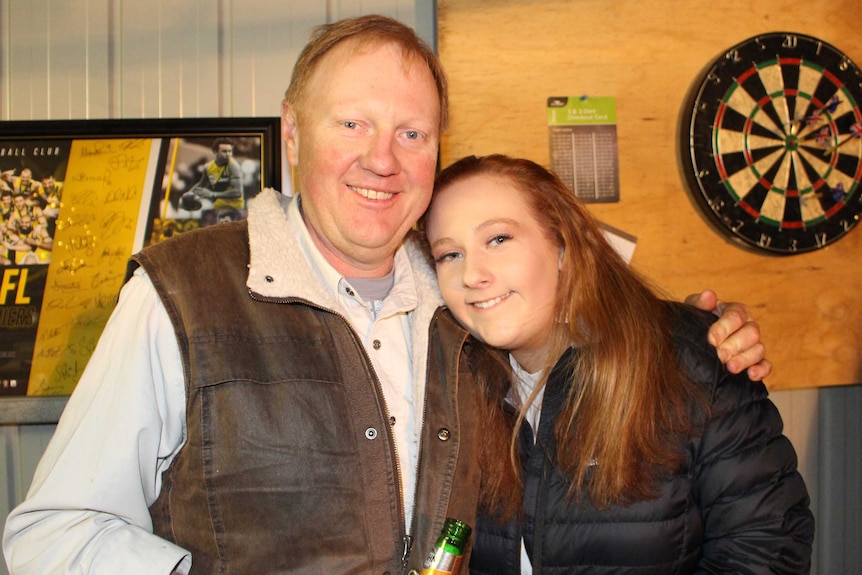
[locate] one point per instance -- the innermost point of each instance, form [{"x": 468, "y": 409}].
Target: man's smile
[{"x": 371, "y": 194}]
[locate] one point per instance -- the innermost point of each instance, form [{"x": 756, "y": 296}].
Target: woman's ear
[
  {"x": 290, "y": 133},
  {"x": 560, "y": 259}
]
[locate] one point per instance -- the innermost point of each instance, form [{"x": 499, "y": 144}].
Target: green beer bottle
[{"x": 445, "y": 558}]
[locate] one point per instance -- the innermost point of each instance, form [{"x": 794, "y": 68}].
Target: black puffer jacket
[{"x": 738, "y": 506}]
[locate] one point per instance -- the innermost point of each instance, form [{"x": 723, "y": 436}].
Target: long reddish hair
[{"x": 629, "y": 406}]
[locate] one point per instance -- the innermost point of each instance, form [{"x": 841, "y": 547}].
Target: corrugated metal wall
[
  {"x": 838, "y": 481},
  {"x": 194, "y": 58},
  {"x": 162, "y": 58}
]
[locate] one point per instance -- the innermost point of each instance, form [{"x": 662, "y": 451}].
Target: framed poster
[{"x": 78, "y": 197}]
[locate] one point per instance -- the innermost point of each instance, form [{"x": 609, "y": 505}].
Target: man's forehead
[{"x": 350, "y": 49}]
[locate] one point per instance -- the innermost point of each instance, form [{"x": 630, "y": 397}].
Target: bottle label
[{"x": 441, "y": 562}]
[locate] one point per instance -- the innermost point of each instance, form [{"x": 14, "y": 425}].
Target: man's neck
[
  {"x": 354, "y": 268},
  {"x": 374, "y": 264}
]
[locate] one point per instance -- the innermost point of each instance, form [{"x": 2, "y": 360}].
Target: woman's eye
[
  {"x": 447, "y": 257},
  {"x": 497, "y": 240},
  {"x": 350, "y": 124}
]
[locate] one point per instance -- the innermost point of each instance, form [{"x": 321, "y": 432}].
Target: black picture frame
[{"x": 123, "y": 184}]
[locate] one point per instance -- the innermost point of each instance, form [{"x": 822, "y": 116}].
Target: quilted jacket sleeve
[{"x": 754, "y": 502}]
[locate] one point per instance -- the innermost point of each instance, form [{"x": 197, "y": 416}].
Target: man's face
[
  {"x": 26, "y": 226},
  {"x": 365, "y": 142},
  {"x": 223, "y": 154}
]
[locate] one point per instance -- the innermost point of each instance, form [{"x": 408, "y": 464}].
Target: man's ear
[{"x": 290, "y": 133}]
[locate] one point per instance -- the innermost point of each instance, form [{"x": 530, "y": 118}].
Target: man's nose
[{"x": 381, "y": 157}]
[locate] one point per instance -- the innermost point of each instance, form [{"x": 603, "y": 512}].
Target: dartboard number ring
[{"x": 773, "y": 132}]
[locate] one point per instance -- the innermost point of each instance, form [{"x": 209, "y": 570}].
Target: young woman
[{"x": 616, "y": 442}]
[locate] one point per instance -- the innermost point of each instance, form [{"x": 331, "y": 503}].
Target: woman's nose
[{"x": 476, "y": 274}]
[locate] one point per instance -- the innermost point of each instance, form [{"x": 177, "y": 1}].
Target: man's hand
[{"x": 735, "y": 335}]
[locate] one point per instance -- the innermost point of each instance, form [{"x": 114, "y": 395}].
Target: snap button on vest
[
  {"x": 370, "y": 433},
  {"x": 443, "y": 434}
]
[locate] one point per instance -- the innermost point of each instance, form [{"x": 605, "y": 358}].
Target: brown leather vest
[{"x": 289, "y": 466}]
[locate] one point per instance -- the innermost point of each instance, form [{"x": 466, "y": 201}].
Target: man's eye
[
  {"x": 412, "y": 135},
  {"x": 349, "y": 124}
]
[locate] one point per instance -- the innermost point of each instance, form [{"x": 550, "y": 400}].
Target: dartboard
[{"x": 772, "y": 141}]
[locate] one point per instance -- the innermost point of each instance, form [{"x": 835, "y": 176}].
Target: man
[
  {"x": 21, "y": 207},
  {"x": 6, "y": 182},
  {"x": 31, "y": 243},
  {"x": 49, "y": 199},
  {"x": 25, "y": 185},
  {"x": 260, "y": 407},
  {"x": 227, "y": 215},
  {"x": 6, "y": 204},
  {"x": 221, "y": 179}
]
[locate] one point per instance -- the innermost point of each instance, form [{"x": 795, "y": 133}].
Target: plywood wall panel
[{"x": 505, "y": 57}]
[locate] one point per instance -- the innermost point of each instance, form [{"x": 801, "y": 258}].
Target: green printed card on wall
[{"x": 582, "y": 136}]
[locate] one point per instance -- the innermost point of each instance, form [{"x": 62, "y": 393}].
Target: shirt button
[
  {"x": 376, "y": 344},
  {"x": 443, "y": 434},
  {"x": 349, "y": 291},
  {"x": 391, "y": 420},
  {"x": 269, "y": 279}
]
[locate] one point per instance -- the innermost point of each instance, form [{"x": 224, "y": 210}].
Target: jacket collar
[
  {"x": 279, "y": 269},
  {"x": 276, "y": 240}
]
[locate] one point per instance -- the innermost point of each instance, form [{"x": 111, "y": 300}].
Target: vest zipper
[{"x": 408, "y": 539}]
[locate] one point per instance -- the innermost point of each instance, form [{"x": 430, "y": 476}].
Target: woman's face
[{"x": 497, "y": 269}]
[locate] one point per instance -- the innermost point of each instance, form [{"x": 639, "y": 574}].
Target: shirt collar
[
  {"x": 327, "y": 274},
  {"x": 402, "y": 297}
]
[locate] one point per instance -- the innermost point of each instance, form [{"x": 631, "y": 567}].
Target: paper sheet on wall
[{"x": 105, "y": 199}]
